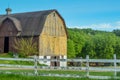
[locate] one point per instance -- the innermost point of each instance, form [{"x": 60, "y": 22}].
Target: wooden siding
[
  {"x": 53, "y": 39},
  {"x": 7, "y": 29},
  {"x": 1, "y": 44}
]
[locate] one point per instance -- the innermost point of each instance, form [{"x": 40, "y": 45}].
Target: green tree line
[{"x": 95, "y": 43}]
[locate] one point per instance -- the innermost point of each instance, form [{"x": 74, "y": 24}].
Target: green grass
[
  {"x": 77, "y": 72},
  {"x": 81, "y": 73},
  {"x": 16, "y": 62},
  {"x": 33, "y": 77},
  {"x": 8, "y": 55},
  {"x": 5, "y": 55},
  {"x": 102, "y": 73},
  {"x": 19, "y": 62},
  {"x": 17, "y": 76},
  {"x": 22, "y": 77},
  {"x": 62, "y": 72},
  {"x": 4, "y": 76},
  {"x": 118, "y": 73}
]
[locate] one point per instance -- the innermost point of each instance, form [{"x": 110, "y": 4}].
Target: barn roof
[
  {"x": 14, "y": 20},
  {"x": 29, "y": 23}
]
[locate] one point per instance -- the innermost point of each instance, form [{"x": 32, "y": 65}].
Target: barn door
[
  {"x": 55, "y": 63},
  {"x": 6, "y": 44}
]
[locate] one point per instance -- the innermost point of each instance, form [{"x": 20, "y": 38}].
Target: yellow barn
[{"x": 47, "y": 28}]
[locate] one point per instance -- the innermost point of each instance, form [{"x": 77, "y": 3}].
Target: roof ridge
[
  {"x": 30, "y": 12},
  {"x": 35, "y": 11}
]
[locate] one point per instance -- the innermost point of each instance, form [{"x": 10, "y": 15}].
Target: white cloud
[
  {"x": 117, "y": 26},
  {"x": 118, "y": 22},
  {"x": 102, "y": 26}
]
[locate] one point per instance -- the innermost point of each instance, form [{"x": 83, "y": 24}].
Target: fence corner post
[
  {"x": 35, "y": 65},
  {"x": 87, "y": 65}
]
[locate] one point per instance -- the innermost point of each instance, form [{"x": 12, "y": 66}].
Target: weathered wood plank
[{"x": 53, "y": 40}]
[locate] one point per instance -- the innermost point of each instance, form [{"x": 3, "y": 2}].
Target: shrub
[{"x": 26, "y": 46}]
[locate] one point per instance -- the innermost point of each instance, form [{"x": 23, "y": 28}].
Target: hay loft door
[{"x": 6, "y": 44}]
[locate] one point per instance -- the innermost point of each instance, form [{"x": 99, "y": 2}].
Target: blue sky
[{"x": 95, "y": 14}]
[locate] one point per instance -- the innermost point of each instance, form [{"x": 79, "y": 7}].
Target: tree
[
  {"x": 79, "y": 38},
  {"x": 89, "y": 48},
  {"x": 104, "y": 45},
  {"x": 117, "y": 47},
  {"x": 116, "y": 32},
  {"x": 97, "y": 44},
  {"x": 26, "y": 46},
  {"x": 71, "y": 49}
]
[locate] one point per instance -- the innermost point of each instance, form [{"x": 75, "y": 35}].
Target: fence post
[
  {"x": 81, "y": 63},
  {"x": 87, "y": 65},
  {"x": 35, "y": 65},
  {"x": 115, "y": 65}
]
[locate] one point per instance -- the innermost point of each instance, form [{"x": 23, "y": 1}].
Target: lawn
[
  {"x": 33, "y": 77},
  {"x": 5, "y": 55},
  {"x": 22, "y": 77},
  {"x": 8, "y": 55},
  {"x": 71, "y": 72},
  {"x": 15, "y": 75}
]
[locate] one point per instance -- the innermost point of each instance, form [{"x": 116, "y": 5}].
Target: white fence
[{"x": 87, "y": 68}]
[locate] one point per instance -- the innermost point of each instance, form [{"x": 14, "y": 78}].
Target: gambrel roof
[
  {"x": 29, "y": 23},
  {"x": 15, "y": 21}
]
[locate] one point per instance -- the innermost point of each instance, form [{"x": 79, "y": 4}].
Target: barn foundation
[{"x": 54, "y": 63}]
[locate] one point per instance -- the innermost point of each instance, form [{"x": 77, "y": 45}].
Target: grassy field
[
  {"x": 16, "y": 73},
  {"x": 16, "y": 76},
  {"x": 21, "y": 77},
  {"x": 26, "y": 77},
  {"x": 7, "y": 55},
  {"x": 17, "y": 62},
  {"x": 62, "y": 72}
]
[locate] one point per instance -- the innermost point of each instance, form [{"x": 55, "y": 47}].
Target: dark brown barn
[{"x": 47, "y": 27}]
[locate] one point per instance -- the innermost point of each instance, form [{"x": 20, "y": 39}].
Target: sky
[{"x": 95, "y": 14}]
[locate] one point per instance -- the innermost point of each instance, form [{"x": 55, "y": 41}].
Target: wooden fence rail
[{"x": 87, "y": 68}]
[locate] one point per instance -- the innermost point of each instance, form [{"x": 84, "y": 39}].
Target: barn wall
[
  {"x": 11, "y": 43},
  {"x": 53, "y": 40},
  {"x": 1, "y": 44},
  {"x": 7, "y": 29}
]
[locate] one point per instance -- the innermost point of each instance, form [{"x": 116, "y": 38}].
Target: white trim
[
  {"x": 62, "y": 63},
  {"x": 44, "y": 62}
]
